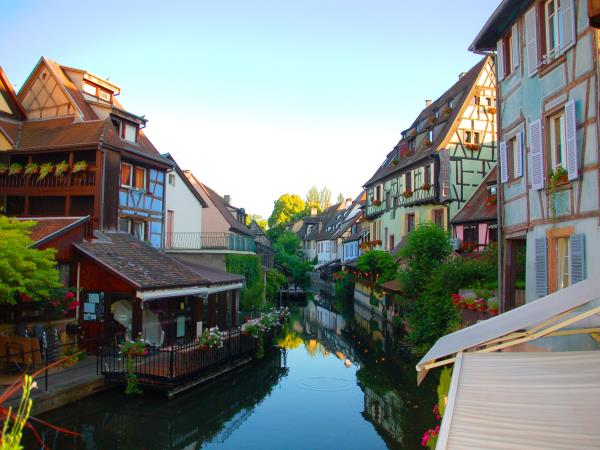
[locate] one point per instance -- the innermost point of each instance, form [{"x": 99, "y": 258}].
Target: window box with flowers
[
  {"x": 426, "y": 187},
  {"x": 45, "y": 170},
  {"x": 394, "y": 162},
  {"x": 427, "y": 142},
  {"x": 80, "y": 166},
  {"x": 446, "y": 111},
  {"x": 211, "y": 338},
  {"x": 376, "y": 202},
  {"x": 473, "y": 147},
  {"x": 491, "y": 109},
  {"x": 491, "y": 200},
  {"x": 61, "y": 168},
  {"x": 492, "y": 307},
  {"x": 432, "y": 120},
  {"x": 407, "y": 194}
]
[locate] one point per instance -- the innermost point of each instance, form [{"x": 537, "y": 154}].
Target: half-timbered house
[
  {"x": 547, "y": 67},
  {"x": 439, "y": 161}
]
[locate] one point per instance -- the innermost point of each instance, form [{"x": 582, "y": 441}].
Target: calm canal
[{"x": 343, "y": 381}]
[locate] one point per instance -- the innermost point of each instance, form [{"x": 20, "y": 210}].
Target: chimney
[
  {"x": 313, "y": 212},
  {"x": 427, "y": 103},
  {"x": 462, "y": 74},
  {"x": 227, "y": 199}
]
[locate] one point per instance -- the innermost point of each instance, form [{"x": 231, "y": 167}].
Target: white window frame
[
  {"x": 172, "y": 177},
  {"x": 552, "y": 29},
  {"x": 552, "y": 140},
  {"x": 131, "y": 175},
  {"x": 135, "y": 169}
]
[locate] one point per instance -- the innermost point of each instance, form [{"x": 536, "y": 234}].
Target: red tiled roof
[
  {"x": 477, "y": 208},
  {"x": 10, "y": 129},
  {"x": 47, "y": 226},
  {"x": 8, "y": 93},
  {"x": 60, "y": 133}
]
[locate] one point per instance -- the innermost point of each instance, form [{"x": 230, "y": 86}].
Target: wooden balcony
[{"x": 21, "y": 184}]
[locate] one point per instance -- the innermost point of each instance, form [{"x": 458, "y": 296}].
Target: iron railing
[
  {"x": 209, "y": 241},
  {"x": 78, "y": 179},
  {"x": 171, "y": 365}
]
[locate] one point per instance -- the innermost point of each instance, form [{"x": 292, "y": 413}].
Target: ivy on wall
[{"x": 250, "y": 267}]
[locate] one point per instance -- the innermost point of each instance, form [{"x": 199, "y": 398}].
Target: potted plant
[
  {"x": 493, "y": 307},
  {"x": 407, "y": 194},
  {"x": 456, "y": 299},
  {"x": 559, "y": 176},
  {"x": 32, "y": 168},
  {"x": 252, "y": 328},
  {"x": 61, "y": 168},
  {"x": 15, "y": 169},
  {"x": 3, "y": 169},
  {"x": 80, "y": 166},
  {"x": 471, "y": 303},
  {"x": 45, "y": 170},
  {"x": 134, "y": 348}
]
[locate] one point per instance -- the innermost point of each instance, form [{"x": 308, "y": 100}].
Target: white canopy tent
[
  {"x": 570, "y": 311},
  {"x": 530, "y": 400}
]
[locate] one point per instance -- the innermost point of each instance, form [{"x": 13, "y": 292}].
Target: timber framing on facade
[{"x": 440, "y": 160}]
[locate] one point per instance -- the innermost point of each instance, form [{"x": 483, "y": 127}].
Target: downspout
[{"x": 102, "y": 189}]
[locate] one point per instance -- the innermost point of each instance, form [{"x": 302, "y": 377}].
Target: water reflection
[{"x": 339, "y": 381}]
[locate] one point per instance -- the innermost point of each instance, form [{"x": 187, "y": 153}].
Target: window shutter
[
  {"x": 541, "y": 275},
  {"x": 569, "y": 27},
  {"x": 571, "y": 139},
  {"x": 518, "y": 154},
  {"x": 503, "y": 163},
  {"x": 536, "y": 155},
  {"x": 516, "y": 47},
  {"x": 500, "y": 59},
  {"x": 577, "y": 258},
  {"x": 444, "y": 175},
  {"x": 531, "y": 41}
]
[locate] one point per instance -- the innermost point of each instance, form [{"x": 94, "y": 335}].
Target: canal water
[{"x": 342, "y": 380}]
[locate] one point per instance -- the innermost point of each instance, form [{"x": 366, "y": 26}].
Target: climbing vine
[{"x": 250, "y": 267}]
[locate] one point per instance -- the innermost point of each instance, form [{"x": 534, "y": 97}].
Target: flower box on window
[
  {"x": 491, "y": 109},
  {"x": 407, "y": 194},
  {"x": 491, "y": 200},
  {"x": 376, "y": 202},
  {"x": 427, "y": 142},
  {"x": 394, "y": 162},
  {"x": 472, "y": 147},
  {"x": 432, "y": 120},
  {"x": 426, "y": 187},
  {"x": 80, "y": 166}
]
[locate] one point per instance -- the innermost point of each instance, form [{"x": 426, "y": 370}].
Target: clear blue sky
[{"x": 260, "y": 98}]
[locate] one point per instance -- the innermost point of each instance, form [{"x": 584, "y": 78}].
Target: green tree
[
  {"x": 24, "y": 270},
  {"x": 340, "y": 198},
  {"x": 290, "y": 258},
  {"x": 320, "y": 199},
  {"x": 275, "y": 279},
  {"x": 262, "y": 223},
  {"x": 380, "y": 266},
  {"x": 286, "y": 208},
  {"x": 252, "y": 297}
]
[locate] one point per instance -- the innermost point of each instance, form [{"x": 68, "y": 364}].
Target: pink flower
[
  {"x": 73, "y": 305},
  {"x": 69, "y": 295}
]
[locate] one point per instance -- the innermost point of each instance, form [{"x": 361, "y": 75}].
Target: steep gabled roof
[
  {"x": 185, "y": 179},
  {"x": 219, "y": 203},
  {"x": 477, "y": 208},
  {"x": 10, "y": 97},
  {"x": 48, "y": 228},
  {"x": 459, "y": 93},
  {"x": 61, "y": 132}
]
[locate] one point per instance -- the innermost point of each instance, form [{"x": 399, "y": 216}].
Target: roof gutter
[{"x": 179, "y": 292}]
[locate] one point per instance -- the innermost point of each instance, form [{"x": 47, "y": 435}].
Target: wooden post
[
  {"x": 136, "y": 319},
  {"x": 197, "y": 312},
  {"x": 212, "y": 310}
]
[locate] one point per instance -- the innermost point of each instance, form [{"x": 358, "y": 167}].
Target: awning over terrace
[
  {"x": 569, "y": 311},
  {"x": 509, "y": 401}
]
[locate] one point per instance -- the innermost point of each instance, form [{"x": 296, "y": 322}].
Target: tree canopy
[
  {"x": 24, "y": 271},
  {"x": 340, "y": 198},
  {"x": 262, "y": 223},
  {"x": 286, "y": 209},
  {"x": 320, "y": 199},
  {"x": 290, "y": 258},
  {"x": 379, "y": 265}
]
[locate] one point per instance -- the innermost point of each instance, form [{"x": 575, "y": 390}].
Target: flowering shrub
[
  {"x": 430, "y": 438},
  {"x": 212, "y": 338},
  {"x": 253, "y": 327},
  {"x": 493, "y": 307},
  {"x": 134, "y": 348},
  {"x": 65, "y": 303},
  {"x": 481, "y": 304}
]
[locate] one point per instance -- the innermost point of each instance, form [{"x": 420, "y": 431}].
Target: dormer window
[
  {"x": 97, "y": 91},
  {"x": 129, "y": 132}
]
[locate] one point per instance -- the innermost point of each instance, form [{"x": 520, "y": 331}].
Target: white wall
[{"x": 187, "y": 208}]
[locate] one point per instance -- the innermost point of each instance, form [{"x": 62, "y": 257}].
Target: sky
[{"x": 259, "y": 98}]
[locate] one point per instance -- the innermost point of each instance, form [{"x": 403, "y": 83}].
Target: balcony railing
[
  {"x": 83, "y": 179},
  {"x": 209, "y": 241}
]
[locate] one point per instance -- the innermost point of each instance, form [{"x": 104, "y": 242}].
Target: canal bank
[{"x": 335, "y": 373}]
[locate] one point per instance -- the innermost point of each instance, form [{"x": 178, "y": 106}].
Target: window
[
  {"x": 408, "y": 182},
  {"x": 562, "y": 262},
  {"x": 140, "y": 178},
  {"x": 388, "y": 200},
  {"x": 172, "y": 180},
  {"x": 438, "y": 217},
  {"x": 378, "y": 193},
  {"x": 558, "y": 149},
  {"x": 126, "y": 175},
  {"x": 552, "y": 12},
  {"x": 476, "y": 100},
  {"x": 493, "y": 233},
  {"x": 392, "y": 242},
  {"x": 430, "y": 135},
  {"x": 410, "y": 222},
  {"x": 470, "y": 237},
  {"x": 472, "y": 137},
  {"x": 97, "y": 91},
  {"x": 130, "y": 132},
  {"x": 125, "y": 225}
]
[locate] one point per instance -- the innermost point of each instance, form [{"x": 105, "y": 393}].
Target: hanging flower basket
[
  {"x": 61, "y": 168},
  {"x": 32, "y": 168},
  {"x": 407, "y": 194},
  {"x": 80, "y": 166},
  {"x": 45, "y": 170},
  {"x": 15, "y": 169}
]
